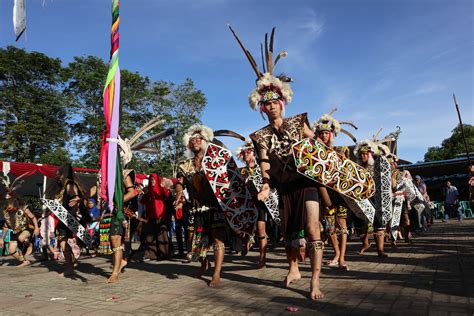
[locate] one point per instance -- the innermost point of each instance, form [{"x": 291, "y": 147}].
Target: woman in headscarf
[
  {"x": 155, "y": 230},
  {"x": 93, "y": 225}
]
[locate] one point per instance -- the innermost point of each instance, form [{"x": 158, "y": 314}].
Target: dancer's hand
[
  {"x": 36, "y": 232},
  {"x": 264, "y": 193},
  {"x": 74, "y": 202}
]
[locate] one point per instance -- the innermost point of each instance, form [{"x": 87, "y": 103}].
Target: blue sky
[{"x": 382, "y": 63}]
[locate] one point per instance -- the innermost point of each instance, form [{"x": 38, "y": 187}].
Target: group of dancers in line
[{"x": 302, "y": 203}]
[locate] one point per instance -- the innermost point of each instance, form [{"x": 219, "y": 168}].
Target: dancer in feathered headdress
[
  {"x": 326, "y": 129},
  {"x": 17, "y": 218},
  {"x": 206, "y": 217},
  {"x": 364, "y": 152},
  {"x": 253, "y": 177},
  {"x": 372, "y": 155},
  {"x": 299, "y": 211}
]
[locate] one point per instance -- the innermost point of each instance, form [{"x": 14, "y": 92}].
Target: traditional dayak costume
[
  {"x": 205, "y": 212},
  {"x": 293, "y": 188},
  {"x": 248, "y": 172},
  {"x": 64, "y": 196},
  {"x": 17, "y": 218},
  {"x": 335, "y": 209},
  {"x": 252, "y": 175},
  {"x": 378, "y": 226}
]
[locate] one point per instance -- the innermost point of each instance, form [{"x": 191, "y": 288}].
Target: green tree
[
  {"x": 57, "y": 157},
  {"x": 180, "y": 106},
  {"x": 141, "y": 100},
  {"x": 32, "y": 105},
  {"x": 85, "y": 86},
  {"x": 44, "y": 107},
  {"x": 453, "y": 146}
]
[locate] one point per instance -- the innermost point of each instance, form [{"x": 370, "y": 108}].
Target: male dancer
[
  {"x": 17, "y": 216},
  {"x": 365, "y": 151},
  {"x": 119, "y": 224},
  {"x": 326, "y": 129},
  {"x": 69, "y": 192},
  {"x": 208, "y": 218},
  {"x": 299, "y": 210},
  {"x": 246, "y": 153}
]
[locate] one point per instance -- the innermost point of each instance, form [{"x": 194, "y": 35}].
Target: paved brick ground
[{"x": 432, "y": 276}]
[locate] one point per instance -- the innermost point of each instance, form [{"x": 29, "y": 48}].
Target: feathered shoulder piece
[{"x": 269, "y": 87}]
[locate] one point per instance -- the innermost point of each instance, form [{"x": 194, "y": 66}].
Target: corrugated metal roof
[{"x": 438, "y": 162}]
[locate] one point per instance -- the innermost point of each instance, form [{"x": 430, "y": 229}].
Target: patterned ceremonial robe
[
  {"x": 294, "y": 189},
  {"x": 278, "y": 145}
]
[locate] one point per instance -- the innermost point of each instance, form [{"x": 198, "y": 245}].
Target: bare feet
[
  {"x": 24, "y": 263},
  {"x": 246, "y": 249},
  {"x": 315, "y": 293},
  {"x": 261, "y": 264},
  {"x": 123, "y": 265},
  {"x": 332, "y": 263},
  {"x": 382, "y": 254},
  {"x": 29, "y": 250},
  {"x": 291, "y": 277},
  {"x": 204, "y": 267},
  {"x": 113, "y": 278},
  {"x": 364, "y": 248},
  {"x": 215, "y": 280},
  {"x": 343, "y": 265}
]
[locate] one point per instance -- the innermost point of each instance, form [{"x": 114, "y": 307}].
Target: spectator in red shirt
[{"x": 156, "y": 240}]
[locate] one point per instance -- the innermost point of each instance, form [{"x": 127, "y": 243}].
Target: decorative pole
[
  {"x": 111, "y": 172},
  {"x": 462, "y": 130}
]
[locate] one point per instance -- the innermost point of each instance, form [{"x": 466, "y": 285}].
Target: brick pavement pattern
[{"x": 432, "y": 276}]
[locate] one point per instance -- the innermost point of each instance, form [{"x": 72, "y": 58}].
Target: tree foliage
[
  {"x": 453, "y": 146},
  {"x": 52, "y": 114},
  {"x": 32, "y": 105}
]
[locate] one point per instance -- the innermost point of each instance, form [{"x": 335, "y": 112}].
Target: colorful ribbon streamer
[{"x": 112, "y": 190}]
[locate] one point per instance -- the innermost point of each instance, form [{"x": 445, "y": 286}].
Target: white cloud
[
  {"x": 299, "y": 35},
  {"x": 430, "y": 88}
]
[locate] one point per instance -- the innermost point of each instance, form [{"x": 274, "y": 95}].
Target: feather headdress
[
  {"x": 11, "y": 188},
  {"x": 387, "y": 145},
  {"x": 383, "y": 149},
  {"x": 247, "y": 145},
  {"x": 198, "y": 130},
  {"x": 269, "y": 87},
  {"x": 328, "y": 123},
  {"x": 364, "y": 146}
]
